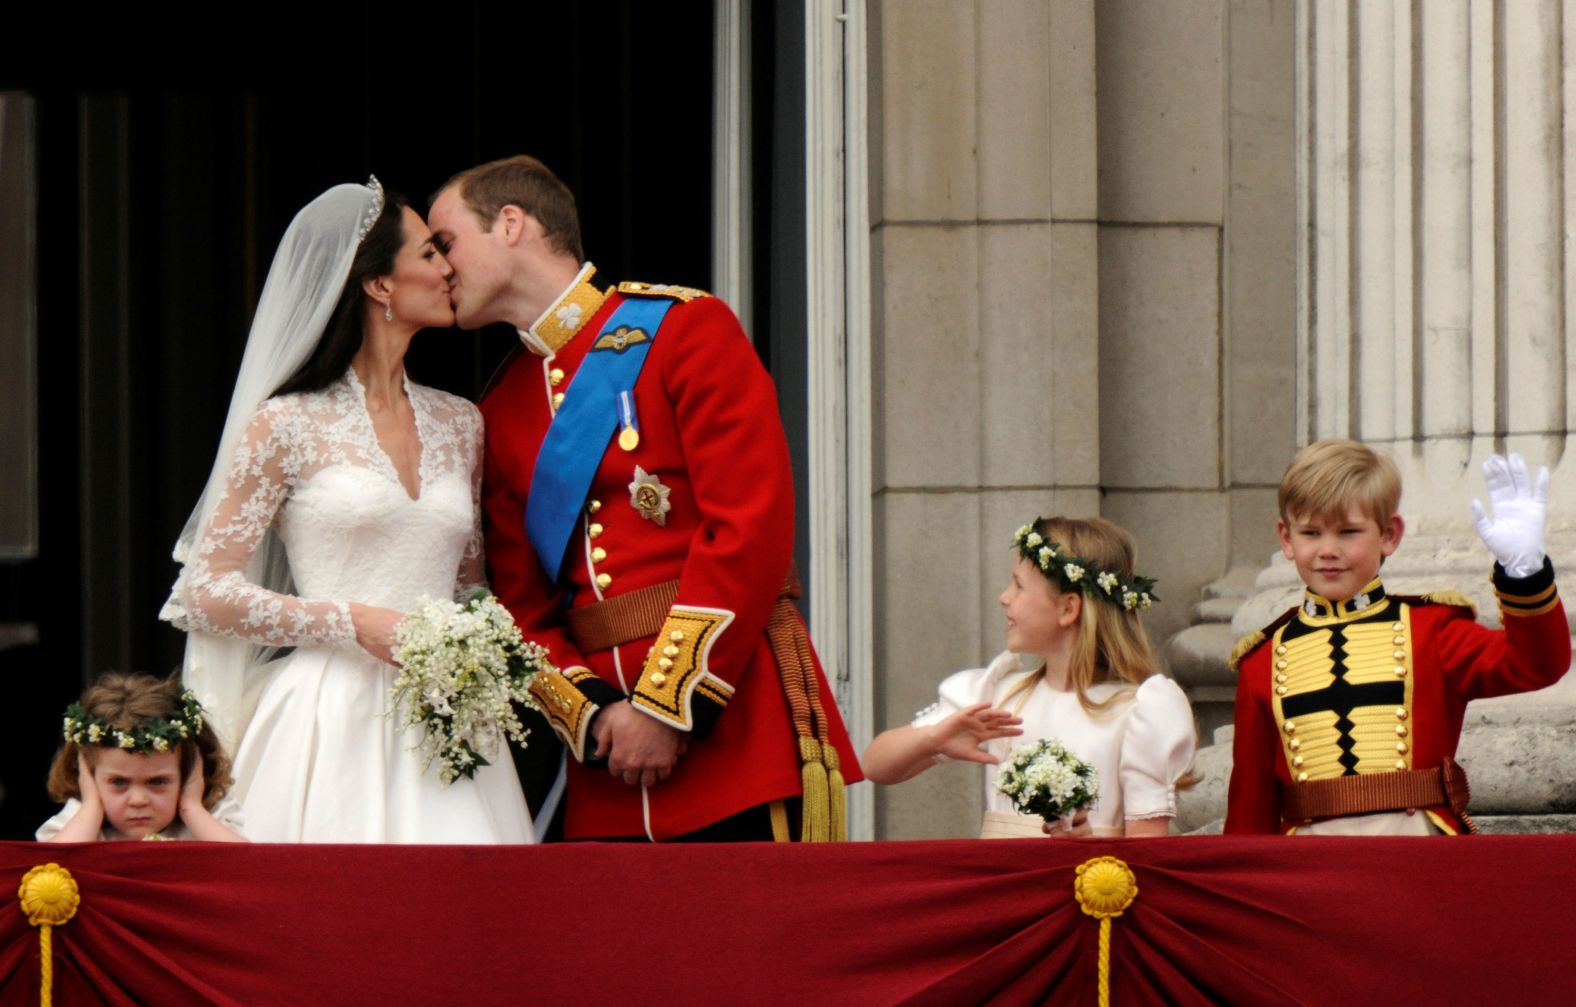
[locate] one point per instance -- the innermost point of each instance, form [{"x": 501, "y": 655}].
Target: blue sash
[{"x": 579, "y": 435}]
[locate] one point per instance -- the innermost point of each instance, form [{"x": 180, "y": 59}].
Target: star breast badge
[{"x": 648, "y": 496}]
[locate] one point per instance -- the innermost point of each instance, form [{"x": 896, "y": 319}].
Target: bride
[{"x": 341, "y": 496}]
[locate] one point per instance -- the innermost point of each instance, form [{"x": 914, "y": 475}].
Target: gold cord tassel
[
  {"x": 49, "y": 898},
  {"x": 837, "y": 824},
  {"x": 825, "y": 811},
  {"x": 1104, "y": 887},
  {"x": 817, "y": 823}
]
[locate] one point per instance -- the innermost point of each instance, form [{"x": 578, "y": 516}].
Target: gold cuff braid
[
  {"x": 676, "y": 667},
  {"x": 566, "y": 708}
]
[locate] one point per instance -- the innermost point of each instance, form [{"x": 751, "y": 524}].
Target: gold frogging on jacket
[{"x": 1341, "y": 690}]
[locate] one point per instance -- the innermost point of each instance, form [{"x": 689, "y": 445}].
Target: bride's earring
[{"x": 388, "y": 312}]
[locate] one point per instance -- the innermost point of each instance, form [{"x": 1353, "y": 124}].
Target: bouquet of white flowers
[
  {"x": 1043, "y": 778},
  {"x": 462, "y": 669}
]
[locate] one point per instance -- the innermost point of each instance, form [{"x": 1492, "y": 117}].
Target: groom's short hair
[{"x": 525, "y": 182}]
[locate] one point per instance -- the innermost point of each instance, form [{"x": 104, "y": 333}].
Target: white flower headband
[
  {"x": 159, "y": 734},
  {"x": 1073, "y": 573}
]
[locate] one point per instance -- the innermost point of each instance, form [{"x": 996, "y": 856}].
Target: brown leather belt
[
  {"x": 1393, "y": 791},
  {"x": 636, "y": 614},
  {"x": 633, "y": 615}
]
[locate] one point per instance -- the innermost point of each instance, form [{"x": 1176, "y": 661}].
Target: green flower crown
[
  {"x": 157, "y": 735},
  {"x": 1074, "y": 573}
]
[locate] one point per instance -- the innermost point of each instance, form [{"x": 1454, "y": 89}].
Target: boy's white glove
[{"x": 1515, "y": 534}]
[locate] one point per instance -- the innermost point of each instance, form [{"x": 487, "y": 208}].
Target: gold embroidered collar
[
  {"x": 1318, "y": 607},
  {"x": 565, "y": 316}
]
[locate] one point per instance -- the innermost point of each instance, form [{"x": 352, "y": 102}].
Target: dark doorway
[{"x": 164, "y": 181}]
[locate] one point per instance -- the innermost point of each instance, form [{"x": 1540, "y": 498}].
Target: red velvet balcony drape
[{"x": 1220, "y": 920}]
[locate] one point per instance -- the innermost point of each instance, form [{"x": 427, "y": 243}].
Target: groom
[{"x": 639, "y": 514}]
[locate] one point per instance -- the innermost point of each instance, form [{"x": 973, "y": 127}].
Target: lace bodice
[{"x": 310, "y": 469}]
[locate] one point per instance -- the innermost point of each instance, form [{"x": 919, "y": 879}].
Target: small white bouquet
[
  {"x": 462, "y": 667},
  {"x": 1043, "y": 778}
]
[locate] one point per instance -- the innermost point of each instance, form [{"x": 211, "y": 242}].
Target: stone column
[
  {"x": 1434, "y": 285},
  {"x": 984, "y": 272}
]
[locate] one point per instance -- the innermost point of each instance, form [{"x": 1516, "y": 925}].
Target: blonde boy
[{"x": 1349, "y": 707}]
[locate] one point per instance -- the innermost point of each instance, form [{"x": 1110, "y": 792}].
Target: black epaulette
[
  {"x": 1251, "y": 641},
  {"x": 634, "y": 288}
]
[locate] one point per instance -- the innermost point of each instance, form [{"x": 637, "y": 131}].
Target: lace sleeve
[
  {"x": 218, "y": 597},
  {"x": 473, "y": 567}
]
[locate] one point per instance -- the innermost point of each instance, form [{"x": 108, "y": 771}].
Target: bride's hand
[{"x": 375, "y": 629}]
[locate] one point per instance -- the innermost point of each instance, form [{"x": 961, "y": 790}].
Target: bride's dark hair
[{"x": 342, "y": 338}]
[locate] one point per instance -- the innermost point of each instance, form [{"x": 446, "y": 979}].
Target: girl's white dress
[
  {"x": 1140, "y": 746},
  {"x": 319, "y": 758}
]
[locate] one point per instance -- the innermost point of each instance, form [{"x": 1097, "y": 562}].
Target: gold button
[
  {"x": 1400, "y": 713},
  {"x": 598, "y": 554},
  {"x": 603, "y": 580},
  {"x": 1280, "y": 690},
  {"x": 1280, "y": 665},
  {"x": 1400, "y": 640},
  {"x": 676, "y": 636},
  {"x": 1296, "y": 760},
  {"x": 658, "y": 679},
  {"x": 1398, "y": 627},
  {"x": 1400, "y": 763},
  {"x": 1281, "y": 649},
  {"x": 558, "y": 399},
  {"x": 1302, "y": 777},
  {"x": 1290, "y": 727},
  {"x": 1400, "y": 730},
  {"x": 594, "y": 506},
  {"x": 594, "y": 529},
  {"x": 556, "y": 376},
  {"x": 664, "y": 664},
  {"x": 1295, "y": 744},
  {"x": 1398, "y": 655},
  {"x": 1400, "y": 746},
  {"x": 1400, "y": 671},
  {"x": 670, "y": 651}
]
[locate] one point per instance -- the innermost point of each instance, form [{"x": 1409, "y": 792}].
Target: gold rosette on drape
[
  {"x": 49, "y": 898},
  {"x": 1105, "y": 887}
]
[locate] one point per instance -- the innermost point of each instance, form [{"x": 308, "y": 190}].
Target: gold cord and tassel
[
  {"x": 1104, "y": 887},
  {"x": 825, "y": 809},
  {"x": 817, "y": 807},
  {"x": 49, "y": 898}
]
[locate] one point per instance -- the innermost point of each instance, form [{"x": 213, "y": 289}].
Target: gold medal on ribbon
[{"x": 629, "y": 437}]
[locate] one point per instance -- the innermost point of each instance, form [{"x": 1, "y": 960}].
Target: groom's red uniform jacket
[{"x": 710, "y": 436}]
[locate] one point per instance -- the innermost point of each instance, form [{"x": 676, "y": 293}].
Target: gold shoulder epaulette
[
  {"x": 1244, "y": 647},
  {"x": 638, "y": 289},
  {"x": 1449, "y": 597}
]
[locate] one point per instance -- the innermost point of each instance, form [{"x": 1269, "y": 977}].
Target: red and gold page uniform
[{"x": 1378, "y": 685}]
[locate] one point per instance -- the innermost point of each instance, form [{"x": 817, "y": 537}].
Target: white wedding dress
[{"x": 320, "y": 758}]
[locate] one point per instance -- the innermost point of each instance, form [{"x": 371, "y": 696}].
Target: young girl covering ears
[
  {"x": 140, "y": 763},
  {"x": 1078, "y": 668}
]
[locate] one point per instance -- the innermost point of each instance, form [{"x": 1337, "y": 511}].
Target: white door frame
[{"x": 837, "y": 312}]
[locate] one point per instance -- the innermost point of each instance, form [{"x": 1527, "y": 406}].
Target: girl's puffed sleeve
[
  {"x": 1157, "y": 749},
  {"x": 963, "y": 689}
]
